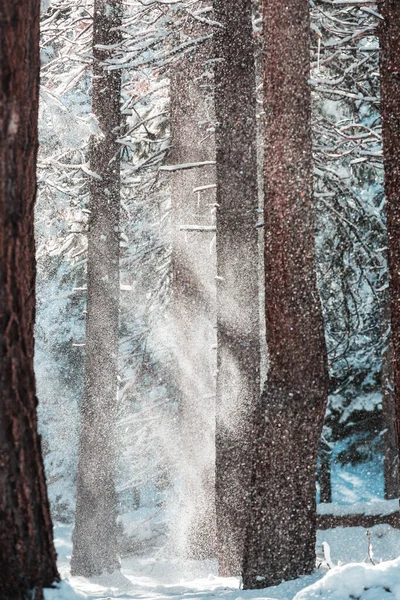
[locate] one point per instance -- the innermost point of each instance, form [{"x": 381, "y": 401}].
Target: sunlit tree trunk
[
  {"x": 389, "y": 37},
  {"x": 193, "y": 299},
  {"x": 94, "y": 536},
  {"x": 238, "y": 323},
  {"x": 27, "y": 555},
  {"x": 280, "y": 541}
]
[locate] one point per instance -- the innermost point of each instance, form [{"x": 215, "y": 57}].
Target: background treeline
[{"x": 351, "y": 237}]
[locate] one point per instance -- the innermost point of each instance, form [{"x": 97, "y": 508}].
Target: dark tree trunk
[
  {"x": 391, "y": 453},
  {"x": 358, "y": 520},
  {"x": 94, "y": 537},
  {"x": 389, "y": 38},
  {"x": 193, "y": 302},
  {"x": 280, "y": 542},
  {"x": 27, "y": 555},
  {"x": 238, "y": 322},
  {"x": 324, "y": 474}
]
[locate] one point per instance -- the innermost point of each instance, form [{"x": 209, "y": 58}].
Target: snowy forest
[{"x": 199, "y": 299}]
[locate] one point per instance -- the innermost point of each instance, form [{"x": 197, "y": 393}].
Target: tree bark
[
  {"x": 238, "y": 321},
  {"x": 358, "y": 520},
  {"x": 27, "y": 555},
  {"x": 94, "y": 536},
  {"x": 391, "y": 453},
  {"x": 389, "y": 39},
  {"x": 325, "y": 474},
  {"x": 280, "y": 541},
  {"x": 193, "y": 299}
]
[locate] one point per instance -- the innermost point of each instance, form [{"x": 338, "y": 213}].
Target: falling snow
[{"x": 217, "y": 336}]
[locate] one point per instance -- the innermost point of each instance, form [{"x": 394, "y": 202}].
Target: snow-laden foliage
[
  {"x": 349, "y": 177},
  {"x": 351, "y": 229}
]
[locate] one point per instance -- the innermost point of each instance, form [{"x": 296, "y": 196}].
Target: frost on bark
[
  {"x": 27, "y": 555},
  {"x": 193, "y": 297},
  {"x": 389, "y": 38},
  {"x": 280, "y": 541},
  {"x": 95, "y": 534},
  {"x": 238, "y": 323}
]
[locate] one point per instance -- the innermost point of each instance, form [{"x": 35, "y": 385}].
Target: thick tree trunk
[
  {"x": 391, "y": 453},
  {"x": 193, "y": 301},
  {"x": 238, "y": 322},
  {"x": 389, "y": 38},
  {"x": 94, "y": 537},
  {"x": 27, "y": 555},
  {"x": 280, "y": 542}
]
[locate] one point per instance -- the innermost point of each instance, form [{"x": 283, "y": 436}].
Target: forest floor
[{"x": 158, "y": 578}]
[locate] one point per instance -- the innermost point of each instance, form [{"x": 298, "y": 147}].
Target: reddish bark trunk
[
  {"x": 280, "y": 543},
  {"x": 94, "y": 537},
  {"x": 27, "y": 555},
  {"x": 238, "y": 322},
  {"x": 389, "y": 38},
  {"x": 193, "y": 301}
]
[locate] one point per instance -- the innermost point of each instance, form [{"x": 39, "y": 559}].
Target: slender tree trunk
[
  {"x": 94, "y": 536},
  {"x": 389, "y": 38},
  {"x": 238, "y": 322},
  {"x": 27, "y": 555},
  {"x": 391, "y": 453},
  {"x": 193, "y": 302},
  {"x": 324, "y": 474},
  {"x": 280, "y": 541}
]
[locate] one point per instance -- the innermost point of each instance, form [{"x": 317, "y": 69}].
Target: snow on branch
[
  {"x": 353, "y": 3},
  {"x": 183, "y": 166},
  {"x": 203, "y": 188},
  {"x": 197, "y": 228}
]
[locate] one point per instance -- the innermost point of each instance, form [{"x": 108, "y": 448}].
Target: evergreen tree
[
  {"x": 27, "y": 555},
  {"x": 95, "y": 533},
  {"x": 280, "y": 541},
  {"x": 238, "y": 323},
  {"x": 193, "y": 292},
  {"x": 389, "y": 37}
]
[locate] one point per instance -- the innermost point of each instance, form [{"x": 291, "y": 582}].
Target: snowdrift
[{"x": 357, "y": 582}]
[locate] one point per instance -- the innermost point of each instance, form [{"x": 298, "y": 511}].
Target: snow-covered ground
[
  {"x": 357, "y": 581},
  {"x": 159, "y": 578},
  {"x": 357, "y": 489}
]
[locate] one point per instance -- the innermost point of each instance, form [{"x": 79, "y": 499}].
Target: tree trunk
[
  {"x": 391, "y": 453},
  {"x": 94, "y": 536},
  {"x": 325, "y": 474},
  {"x": 27, "y": 555},
  {"x": 280, "y": 541},
  {"x": 358, "y": 520},
  {"x": 238, "y": 322},
  {"x": 193, "y": 300},
  {"x": 389, "y": 38}
]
